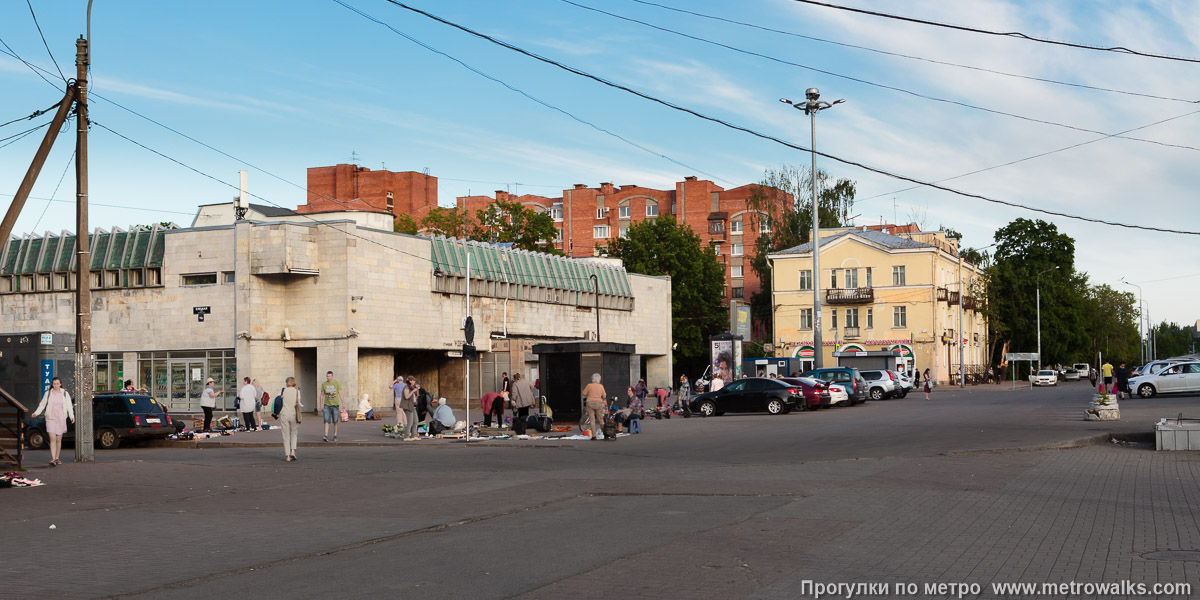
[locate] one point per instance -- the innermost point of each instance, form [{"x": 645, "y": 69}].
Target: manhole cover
[{"x": 1191, "y": 555}]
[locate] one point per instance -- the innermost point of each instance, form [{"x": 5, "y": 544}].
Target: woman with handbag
[
  {"x": 56, "y": 403},
  {"x": 290, "y": 417}
]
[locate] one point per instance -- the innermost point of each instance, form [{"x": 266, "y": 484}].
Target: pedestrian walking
[
  {"x": 399, "y": 384},
  {"x": 247, "y": 398},
  {"x": 928, "y": 384},
  {"x": 684, "y": 395},
  {"x": 521, "y": 392},
  {"x": 593, "y": 407},
  {"x": 1122, "y": 375},
  {"x": 331, "y": 392},
  {"x": 56, "y": 404},
  {"x": 408, "y": 403},
  {"x": 208, "y": 402},
  {"x": 1107, "y": 370},
  {"x": 289, "y": 418}
]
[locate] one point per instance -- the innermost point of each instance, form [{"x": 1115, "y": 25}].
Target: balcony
[
  {"x": 851, "y": 333},
  {"x": 942, "y": 294},
  {"x": 953, "y": 298},
  {"x": 970, "y": 303},
  {"x": 862, "y": 295}
]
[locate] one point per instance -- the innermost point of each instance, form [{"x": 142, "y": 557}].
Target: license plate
[{"x": 153, "y": 420}]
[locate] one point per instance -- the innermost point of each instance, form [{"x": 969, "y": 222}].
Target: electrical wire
[
  {"x": 912, "y": 57},
  {"x": 1171, "y": 278},
  {"x": 529, "y": 96},
  {"x": 36, "y": 114},
  {"x": 779, "y": 141},
  {"x": 24, "y": 133},
  {"x": 1012, "y": 34},
  {"x": 872, "y": 83},
  {"x": 43, "y": 36},
  {"x": 90, "y": 203},
  {"x": 55, "y": 192},
  {"x": 13, "y": 53}
]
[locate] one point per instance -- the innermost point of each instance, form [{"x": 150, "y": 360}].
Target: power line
[
  {"x": 36, "y": 114},
  {"x": 24, "y": 133},
  {"x": 1027, "y": 158},
  {"x": 1013, "y": 34},
  {"x": 764, "y": 136},
  {"x": 872, "y": 83},
  {"x": 529, "y": 96},
  {"x": 55, "y": 192},
  {"x": 36, "y": 71},
  {"x": 43, "y": 36},
  {"x": 1171, "y": 278},
  {"x": 122, "y": 206},
  {"x": 912, "y": 57}
]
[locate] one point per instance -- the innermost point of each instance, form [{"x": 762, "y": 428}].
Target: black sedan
[{"x": 755, "y": 394}]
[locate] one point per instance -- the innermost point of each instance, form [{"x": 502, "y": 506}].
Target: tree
[
  {"x": 661, "y": 247},
  {"x": 449, "y": 222},
  {"x": 1111, "y": 323},
  {"x": 1171, "y": 340},
  {"x": 161, "y": 225},
  {"x": 405, "y": 224},
  {"x": 790, "y": 222},
  {"x": 513, "y": 223}
]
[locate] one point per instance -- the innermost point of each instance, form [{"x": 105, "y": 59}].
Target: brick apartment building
[{"x": 351, "y": 187}]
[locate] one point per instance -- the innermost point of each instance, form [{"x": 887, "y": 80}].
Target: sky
[{"x": 276, "y": 88}]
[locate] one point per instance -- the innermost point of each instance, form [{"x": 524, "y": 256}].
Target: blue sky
[{"x": 287, "y": 86}]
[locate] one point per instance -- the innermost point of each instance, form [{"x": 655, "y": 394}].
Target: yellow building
[{"x": 895, "y": 288}]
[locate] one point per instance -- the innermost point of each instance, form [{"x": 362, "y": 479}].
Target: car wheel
[
  {"x": 36, "y": 439},
  {"x": 707, "y": 408},
  {"x": 775, "y": 406},
  {"x": 877, "y": 394},
  {"x": 108, "y": 439},
  {"x": 1146, "y": 390}
]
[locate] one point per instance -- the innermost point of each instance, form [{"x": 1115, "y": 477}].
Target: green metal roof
[
  {"x": 109, "y": 250},
  {"x": 522, "y": 267}
]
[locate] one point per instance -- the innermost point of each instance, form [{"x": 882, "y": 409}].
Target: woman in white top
[
  {"x": 56, "y": 403},
  {"x": 289, "y": 418},
  {"x": 208, "y": 401}
]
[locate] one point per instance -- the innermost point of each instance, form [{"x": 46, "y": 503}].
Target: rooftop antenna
[
  {"x": 382, "y": 166},
  {"x": 354, "y": 157},
  {"x": 241, "y": 204}
]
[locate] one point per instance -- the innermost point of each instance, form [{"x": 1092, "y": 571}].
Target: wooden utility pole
[
  {"x": 35, "y": 168},
  {"x": 85, "y": 450}
]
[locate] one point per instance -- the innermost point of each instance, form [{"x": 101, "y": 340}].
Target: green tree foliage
[
  {"x": 1172, "y": 340},
  {"x": 661, "y": 247},
  {"x": 790, "y": 222},
  {"x": 1110, "y": 318},
  {"x": 162, "y": 224},
  {"x": 512, "y": 222},
  {"x": 449, "y": 222},
  {"x": 405, "y": 224}
]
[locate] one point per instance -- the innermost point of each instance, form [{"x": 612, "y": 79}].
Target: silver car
[{"x": 1173, "y": 379}]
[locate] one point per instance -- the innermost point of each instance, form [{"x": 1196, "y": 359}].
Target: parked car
[
  {"x": 838, "y": 395},
  {"x": 753, "y": 394},
  {"x": 1071, "y": 375},
  {"x": 1173, "y": 379},
  {"x": 1154, "y": 367},
  {"x": 115, "y": 417},
  {"x": 903, "y": 382},
  {"x": 816, "y": 392},
  {"x": 880, "y": 384},
  {"x": 848, "y": 377},
  {"x": 1046, "y": 377}
]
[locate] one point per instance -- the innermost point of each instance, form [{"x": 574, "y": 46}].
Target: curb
[{"x": 1091, "y": 440}]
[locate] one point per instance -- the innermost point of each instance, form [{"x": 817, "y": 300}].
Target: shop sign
[
  {"x": 853, "y": 348},
  {"x": 905, "y": 350},
  {"x": 806, "y": 351}
]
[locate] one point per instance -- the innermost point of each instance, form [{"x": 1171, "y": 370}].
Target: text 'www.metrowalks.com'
[{"x": 817, "y": 589}]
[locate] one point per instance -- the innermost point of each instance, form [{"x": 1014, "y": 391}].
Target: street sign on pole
[{"x": 1021, "y": 356}]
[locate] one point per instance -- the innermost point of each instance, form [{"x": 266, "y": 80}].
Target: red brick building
[{"x": 351, "y": 187}]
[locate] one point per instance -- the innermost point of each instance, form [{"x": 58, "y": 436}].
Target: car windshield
[{"x": 1045, "y": 372}]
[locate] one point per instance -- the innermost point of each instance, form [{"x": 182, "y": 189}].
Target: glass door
[{"x": 187, "y": 381}]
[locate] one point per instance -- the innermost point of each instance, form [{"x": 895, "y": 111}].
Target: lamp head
[{"x": 812, "y": 94}]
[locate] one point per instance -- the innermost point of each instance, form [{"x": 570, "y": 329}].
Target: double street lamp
[
  {"x": 1039, "y": 313},
  {"x": 811, "y": 106},
  {"x": 1141, "y": 320}
]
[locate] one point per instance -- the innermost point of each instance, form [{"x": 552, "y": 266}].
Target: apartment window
[
  {"x": 735, "y": 226},
  {"x": 200, "y": 279},
  {"x": 735, "y": 271},
  {"x": 806, "y": 318},
  {"x": 870, "y": 318},
  {"x": 898, "y": 276},
  {"x": 739, "y": 293},
  {"x": 600, "y": 231},
  {"x": 851, "y": 317},
  {"x": 735, "y": 249},
  {"x": 717, "y": 249},
  {"x": 899, "y": 316},
  {"x": 832, "y": 278},
  {"x": 601, "y": 212},
  {"x": 651, "y": 209},
  {"x": 623, "y": 212},
  {"x": 851, "y": 278},
  {"x": 806, "y": 279},
  {"x": 556, "y": 211},
  {"x": 869, "y": 279},
  {"x": 717, "y": 226},
  {"x": 764, "y": 226},
  {"x": 624, "y": 232},
  {"x": 833, "y": 319},
  {"x": 391, "y": 205},
  {"x": 229, "y": 277},
  {"x": 558, "y": 235}
]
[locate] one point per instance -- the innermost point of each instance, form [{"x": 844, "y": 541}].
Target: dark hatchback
[
  {"x": 754, "y": 394},
  {"x": 816, "y": 392},
  {"x": 849, "y": 377},
  {"x": 115, "y": 417}
]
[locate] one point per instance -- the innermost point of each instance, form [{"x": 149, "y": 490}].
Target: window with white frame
[
  {"x": 899, "y": 316},
  {"x": 600, "y": 231},
  {"x": 735, "y": 271},
  {"x": 601, "y": 212},
  {"x": 870, "y": 318},
  {"x": 833, "y": 278},
  {"x": 558, "y": 235},
  {"x": 651, "y": 209},
  {"x": 735, "y": 249},
  {"x": 851, "y": 278},
  {"x": 806, "y": 318},
  {"x": 623, "y": 211},
  {"x": 851, "y": 317},
  {"x": 898, "y": 275},
  {"x": 869, "y": 277},
  {"x": 717, "y": 248},
  {"x": 556, "y": 211},
  {"x": 806, "y": 279},
  {"x": 764, "y": 226},
  {"x": 624, "y": 232},
  {"x": 739, "y": 292},
  {"x": 833, "y": 319},
  {"x": 735, "y": 226}
]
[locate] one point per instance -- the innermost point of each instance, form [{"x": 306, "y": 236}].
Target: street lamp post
[
  {"x": 811, "y": 106},
  {"x": 1141, "y": 320},
  {"x": 1039, "y": 313}
]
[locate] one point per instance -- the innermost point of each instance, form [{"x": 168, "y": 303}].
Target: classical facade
[
  {"x": 883, "y": 288},
  {"x": 302, "y": 294}
]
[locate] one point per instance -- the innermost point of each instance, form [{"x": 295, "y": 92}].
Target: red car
[{"x": 816, "y": 392}]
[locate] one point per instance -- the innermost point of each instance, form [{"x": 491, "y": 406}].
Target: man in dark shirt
[{"x": 1122, "y": 374}]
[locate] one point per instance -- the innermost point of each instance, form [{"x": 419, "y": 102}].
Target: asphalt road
[{"x": 734, "y": 506}]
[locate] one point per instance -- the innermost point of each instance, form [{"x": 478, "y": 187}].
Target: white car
[
  {"x": 903, "y": 383},
  {"x": 1173, "y": 379},
  {"x": 1072, "y": 375},
  {"x": 1046, "y": 377},
  {"x": 838, "y": 395}
]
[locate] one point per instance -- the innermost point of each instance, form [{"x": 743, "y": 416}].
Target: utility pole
[
  {"x": 35, "y": 168},
  {"x": 85, "y": 450},
  {"x": 961, "y": 332}
]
